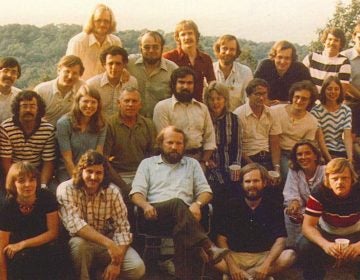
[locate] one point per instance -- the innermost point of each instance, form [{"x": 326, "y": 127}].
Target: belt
[{"x": 262, "y": 154}]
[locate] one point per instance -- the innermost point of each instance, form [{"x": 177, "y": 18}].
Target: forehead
[
  {"x": 29, "y": 101},
  {"x": 345, "y": 172},
  {"x": 332, "y": 36},
  {"x": 130, "y": 95},
  {"x": 87, "y": 97},
  {"x": 284, "y": 52},
  {"x": 333, "y": 84},
  {"x": 186, "y": 78},
  {"x": 173, "y": 136},
  {"x": 186, "y": 29},
  {"x": 73, "y": 68},
  {"x": 304, "y": 148},
  {"x": 215, "y": 94},
  {"x": 8, "y": 67},
  {"x": 303, "y": 93},
  {"x": 230, "y": 43},
  {"x": 260, "y": 89},
  {"x": 95, "y": 168},
  {"x": 116, "y": 57},
  {"x": 150, "y": 39},
  {"x": 252, "y": 175},
  {"x": 102, "y": 14}
]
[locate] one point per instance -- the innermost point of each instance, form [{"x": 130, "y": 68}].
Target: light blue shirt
[{"x": 159, "y": 181}]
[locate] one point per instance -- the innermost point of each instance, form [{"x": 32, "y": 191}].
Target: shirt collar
[
  {"x": 249, "y": 111},
  {"x": 159, "y": 160},
  {"x": 93, "y": 40},
  {"x": 353, "y": 54},
  {"x": 174, "y": 101},
  {"x": 163, "y": 64}
]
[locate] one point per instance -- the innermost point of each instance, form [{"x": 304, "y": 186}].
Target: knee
[
  {"x": 287, "y": 258},
  {"x": 137, "y": 271},
  {"x": 79, "y": 247}
]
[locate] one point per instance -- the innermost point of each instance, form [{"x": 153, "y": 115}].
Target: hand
[
  {"x": 116, "y": 254},
  {"x": 211, "y": 164},
  {"x": 111, "y": 272},
  {"x": 293, "y": 207},
  {"x": 261, "y": 271},
  {"x": 150, "y": 212},
  {"x": 196, "y": 211},
  {"x": 11, "y": 249},
  {"x": 332, "y": 250},
  {"x": 351, "y": 252},
  {"x": 237, "y": 273}
]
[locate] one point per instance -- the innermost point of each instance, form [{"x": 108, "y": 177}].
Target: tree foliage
[
  {"x": 345, "y": 17},
  {"x": 38, "y": 49}
]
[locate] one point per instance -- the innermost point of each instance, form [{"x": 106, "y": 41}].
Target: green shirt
[{"x": 129, "y": 145}]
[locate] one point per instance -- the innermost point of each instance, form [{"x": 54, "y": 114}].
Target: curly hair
[
  {"x": 222, "y": 40},
  {"x": 293, "y": 164},
  {"x": 304, "y": 85},
  {"x": 89, "y": 158},
  {"x": 28, "y": 95},
  {"x": 97, "y": 122},
  {"x": 180, "y": 72}
]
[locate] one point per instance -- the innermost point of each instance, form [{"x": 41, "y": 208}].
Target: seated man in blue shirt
[
  {"x": 254, "y": 230},
  {"x": 171, "y": 189}
]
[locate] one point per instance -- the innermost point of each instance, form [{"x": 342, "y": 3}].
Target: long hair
[
  {"x": 293, "y": 164},
  {"x": 97, "y": 122},
  {"x": 304, "y": 85},
  {"x": 17, "y": 170},
  {"x": 89, "y": 26},
  {"x": 89, "y": 158},
  {"x": 338, "y": 165},
  {"x": 221, "y": 89},
  {"x": 325, "y": 85}
]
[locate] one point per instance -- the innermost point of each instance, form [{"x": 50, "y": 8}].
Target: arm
[
  {"x": 291, "y": 193},
  {"x": 348, "y": 143},
  {"x": 68, "y": 161},
  {"x": 275, "y": 151},
  {"x": 6, "y": 163},
  {"x": 52, "y": 222},
  {"x": 149, "y": 211},
  {"x": 4, "y": 241},
  {"x": 195, "y": 207},
  {"x": 46, "y": 172},
  {"x": 321, "y": 142},
  {"x": 265, "y": 268},
  {"x": 161, "y": 116},
  {"x": 352, "y": 91},
  {"x": 310, "y": 231}
]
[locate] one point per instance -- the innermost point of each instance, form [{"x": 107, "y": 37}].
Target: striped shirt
[
  {"x": 333, "y": 125},
  {"x": 322, "y": 66},
  {"x": 339, "y": 216},
  {"x": 37, "y": 147},
  {"x": 105, "y": 211}
]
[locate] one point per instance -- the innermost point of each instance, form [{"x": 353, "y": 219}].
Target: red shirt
[{"x": 203, "y": 67}]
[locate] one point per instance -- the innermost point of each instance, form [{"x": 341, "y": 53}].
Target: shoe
[{"x": 212, "y": 254}]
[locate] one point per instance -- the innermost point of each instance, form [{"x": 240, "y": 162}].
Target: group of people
[{"x": 161, "y": 131}]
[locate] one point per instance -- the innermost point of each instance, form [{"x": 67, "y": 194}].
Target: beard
[
  {"x": 227, "y": 60},
  {"x": 150, "y": 60},
  {"x": 172, "y": 157},
  {"x": 184, "y": 96},
  {"x": 253, "y": 196}
]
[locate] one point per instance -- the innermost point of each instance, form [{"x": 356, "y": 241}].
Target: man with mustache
[
  {"x": 233, "y": 74},
  {"x": 110, "y": 83},
  {"x": 171, "y": 189},
  {"x": 152, "y": 71},
  {"x": 26, "y": 136},
  {"x": 10, "y": 71},
  {"x": 58, "y": 94},
  {"x": 330, "y": 62},
  {"x": 185, "y": 112},
  {"x": 187, "y": 53},
  {"x": 254, "y": 230}
]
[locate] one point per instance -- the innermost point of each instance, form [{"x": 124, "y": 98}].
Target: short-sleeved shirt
[
  {"x": 109, "y": 94},
  {"x": 153, "y": 87},
  {"x": 339, "y": 216},
  {"x": 77, "y": 142},
  {"x": 354, "y": 58},
  {"x": 333, "y": 125},
  {"x": 239, "y": 77},
  {"x": 5, "y": 103},
  {"x": 280, "y": 85},
  {"x": 22, "y": 226},
  {"x": 88, "y": 48},
  {"x": 295, "y": 130},
  {"x": 159, "y": 181},
  {"x": 57, "y": 105},
  {"x": 105, "y": 211},
  {"x": 129, "y": 145},
  {"x": 252, "y": 231},
  {"x": 256, "y": 131},
  {"x": 193, "y": 118},
  {"x": 38, "y": 147},
  {"x": 203, "y": 68},
  {"x": 322, "y": 66}
]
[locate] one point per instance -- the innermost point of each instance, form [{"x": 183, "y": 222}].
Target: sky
[{"x": 256, "y": 20}]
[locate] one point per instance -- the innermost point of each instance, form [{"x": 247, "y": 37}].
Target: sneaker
[{"x": 167, "y": 266}]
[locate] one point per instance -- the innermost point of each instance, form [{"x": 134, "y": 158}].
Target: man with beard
[
  {"x": 188, "y": 114},
  {"x": 281, "y": 70},
  {"x": 254, "y": 230},
  {"x": 152, "y": 71},
  {"x": 10, "y": 71},
  {"x": 58, "y": 94},
  {"x": 110, "y": 83},
  {"x": 233, "y": 74},
  {"x": 95, "y": 38},
  {"x": 26, "y": 136},
  {"x": 187, "y": 53},
  {"x": 171, "y": 189}
]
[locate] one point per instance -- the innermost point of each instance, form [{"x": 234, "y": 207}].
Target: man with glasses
[
  {"x": 27, "y": 136},
  {"x": 10, "y": 71},
  {"x": 95, "y": 38},
  {"x": 151, "y": 71},
  {"x": 261, "y": 128}
]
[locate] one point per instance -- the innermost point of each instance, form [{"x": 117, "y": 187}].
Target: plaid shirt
[{"x": 105, "y": 211}]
